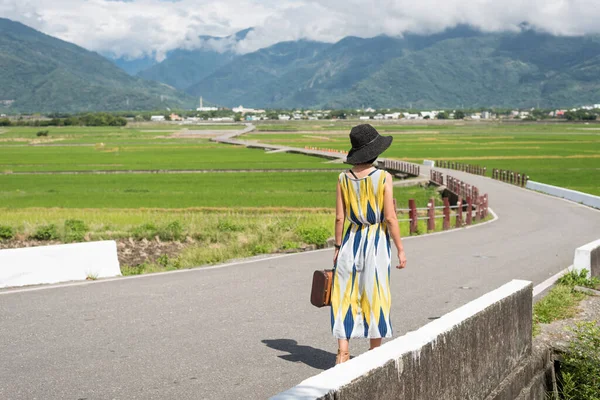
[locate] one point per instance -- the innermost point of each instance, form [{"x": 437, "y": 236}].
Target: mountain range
[
  {"x": 460, "y": 67},
  {"x": 40, "y": 73}
]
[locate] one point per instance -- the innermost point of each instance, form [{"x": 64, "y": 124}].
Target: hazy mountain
[
  {"x": 44, "y": 74},
  {"x": 133, "y": 66},
  {"x": 459, "y": 67},
  {"x": 183, "y": 68}
]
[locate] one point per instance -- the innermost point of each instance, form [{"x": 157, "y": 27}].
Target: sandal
[{"x": 342, "y": 357}]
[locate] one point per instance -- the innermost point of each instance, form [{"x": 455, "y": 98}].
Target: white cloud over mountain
[{"x": 139, "y": 28}]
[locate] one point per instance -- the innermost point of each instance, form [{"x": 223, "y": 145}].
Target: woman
[{"x": 360, "y": 297}]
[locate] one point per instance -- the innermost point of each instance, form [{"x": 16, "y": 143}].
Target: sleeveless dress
[{"x": 361, "y": 297}]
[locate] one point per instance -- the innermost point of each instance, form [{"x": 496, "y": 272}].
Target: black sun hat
[{"x": 367, "y": 144}]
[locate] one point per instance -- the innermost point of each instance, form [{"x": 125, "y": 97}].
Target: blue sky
[{"x": 138, "y": 28}]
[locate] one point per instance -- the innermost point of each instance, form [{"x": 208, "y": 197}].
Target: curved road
[{"x": 247, "y": 330}]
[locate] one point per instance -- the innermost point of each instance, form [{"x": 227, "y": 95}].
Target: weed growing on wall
[{"x": 580, "y": 368}]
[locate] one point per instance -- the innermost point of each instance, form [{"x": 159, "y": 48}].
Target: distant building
[
  {"x": 175, "y": 117},
  {"x": 379, "y": 116},
  {"x": 364, "y": 117},
  {"x": 412, "y": 116},
  {"x": 597, "y": 106},
  {"x": 283, "y": 117},
  {"x": 243, "y": 110},
  {"x": 486, "y": 115},
  {"x": 395, "y": 115},
  {"x": 202, "y": 108},
  {"x": 429, "y": 114},
  {"x": 370, "y": 110},
  {"x": 157, "y": 118}
]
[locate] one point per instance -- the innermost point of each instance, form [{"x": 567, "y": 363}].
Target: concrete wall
[
  {"x": 466, "y": 354},
  {"x": 588, "y": 257},
  {"x": 61, "y": 263},
  {"x": 573, "y": 195}
]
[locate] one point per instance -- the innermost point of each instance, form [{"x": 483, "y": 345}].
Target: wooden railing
[
  {"x": 512, "y": 177},
  {"x": 403, "y": 167},
  {"x": 470, "y": 168}
]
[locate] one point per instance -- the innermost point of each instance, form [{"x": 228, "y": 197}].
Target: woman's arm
[
  {"x": 340, "y": 217},
  {"x": 389, "y": 213}
]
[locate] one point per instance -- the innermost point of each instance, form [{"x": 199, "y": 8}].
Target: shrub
[
  {"x": 172, "y": 231},
  {"x": 42, "y": 133},
  {"x": 290, "y": 245},
  {"x": 574, "y": 278},
  {"x": 313, "y": 235},
  {"x": 6, "y": 232},
  {"x": 580, "y": 369},
  {"x": 145, "y": 231},
  {"x": 229, "y": 226},
  {"x": 260, "y": 248},
  {"x": 75, "y": 230},
  {"x": 46, "y": 232}
]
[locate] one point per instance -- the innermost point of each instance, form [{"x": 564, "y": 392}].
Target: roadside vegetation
[
  {"x": 580, "y": 366},
  {"x": 579, "y": 373},
  {"x": 562, "y": 300}
]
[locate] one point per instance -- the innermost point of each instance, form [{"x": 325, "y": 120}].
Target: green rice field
[
  {"x": 87, "y": 149},
  {"x": 565, "y": 155}
]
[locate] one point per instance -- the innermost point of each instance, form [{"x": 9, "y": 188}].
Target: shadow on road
[{"x": 310, "y": 356}]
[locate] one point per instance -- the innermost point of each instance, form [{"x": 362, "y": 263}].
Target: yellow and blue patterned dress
[{"x": 361, "y": 297}]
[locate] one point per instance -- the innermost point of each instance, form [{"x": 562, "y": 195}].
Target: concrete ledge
[
  {"x": 466, "y": 354},
  {"x": 429, "y": 163},
  {"x": 61, "y": 263},
  {"x": 573, "y": 195},
  {"x": 588, "y": 257}
]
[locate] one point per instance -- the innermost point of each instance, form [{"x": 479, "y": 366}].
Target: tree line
[{"x": 91, "y": 119}]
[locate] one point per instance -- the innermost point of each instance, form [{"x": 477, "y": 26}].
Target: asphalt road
[{"x": 248, "y": 331}]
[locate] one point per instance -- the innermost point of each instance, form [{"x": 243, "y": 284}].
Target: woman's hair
[{"x": 371, "y": 161}]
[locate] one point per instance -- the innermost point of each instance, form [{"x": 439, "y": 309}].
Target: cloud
[{"x": 138, "y": 28}]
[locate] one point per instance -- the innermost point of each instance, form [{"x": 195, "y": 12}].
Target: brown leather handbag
[{"x": 320, "y": 295}]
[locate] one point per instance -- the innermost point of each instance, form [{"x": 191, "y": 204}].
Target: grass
[
  {"x": 92, "y": 149},
  {"x": 562, "y": 301},
  {"x": 294, "y": 189},
  {"x": 565, "y": 155}
]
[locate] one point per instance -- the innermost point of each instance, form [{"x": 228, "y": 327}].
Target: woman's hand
[
  {"x": 335, "y": 255},
  {"x": 402, "y": 258}
]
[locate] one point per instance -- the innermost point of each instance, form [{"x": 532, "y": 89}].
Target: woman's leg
[
  {"x": 343, "y": 354},
  {"x": 375, "y": 343}
]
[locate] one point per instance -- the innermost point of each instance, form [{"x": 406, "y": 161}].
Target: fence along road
[{"x": 248, "y": 331}]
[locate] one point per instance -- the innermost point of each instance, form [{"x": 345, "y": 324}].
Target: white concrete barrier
[
  {"x": 61, "y": 263},
  {"x": 573, "y": 195},
  {"x": 429, "y": 163},
  {"x": 462, "y": 343},
  {"x": 588, "y": 257}
]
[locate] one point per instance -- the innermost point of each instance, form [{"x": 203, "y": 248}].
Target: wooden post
[
  {"x": 469, "y": 210},
  {"x": 431, "y": 215},
  {"x": 477, "y": 208},
  {"x": 459, "y": 212},
  {"x": 446, "y": 214},
  {"x": 485, "y": 205},
  {"x": 412, "y": 214}
]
